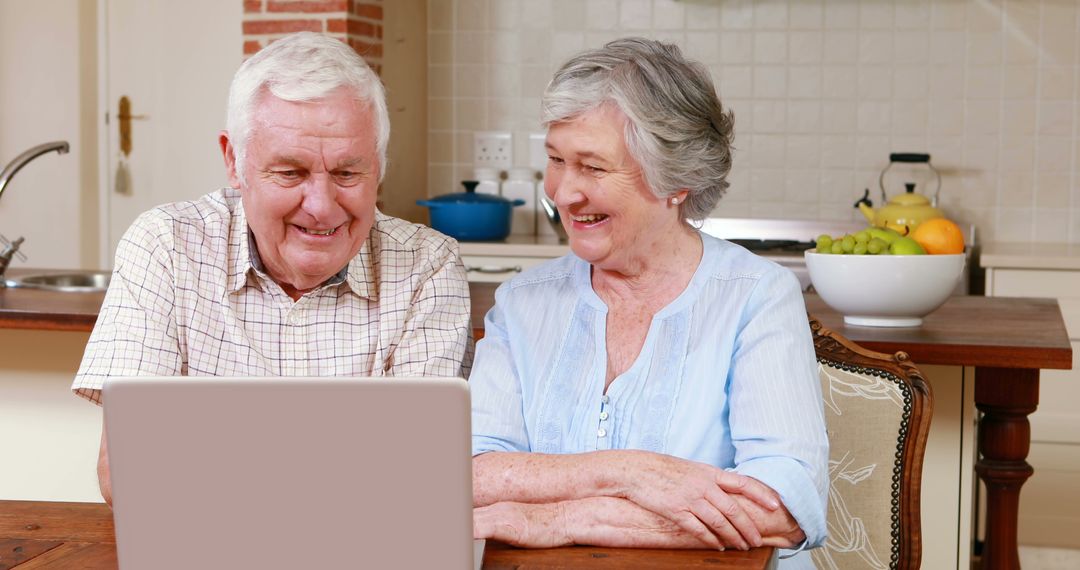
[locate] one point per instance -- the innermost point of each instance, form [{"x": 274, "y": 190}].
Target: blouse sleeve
[
  {"x": 498, "y": 420},
  {"x": 776, "y": 412}
]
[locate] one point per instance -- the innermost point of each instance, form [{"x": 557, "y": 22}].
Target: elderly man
[{"x": 291, "y": 271}]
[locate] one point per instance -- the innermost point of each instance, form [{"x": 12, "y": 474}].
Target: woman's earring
[{"x": 674, "y": 201}]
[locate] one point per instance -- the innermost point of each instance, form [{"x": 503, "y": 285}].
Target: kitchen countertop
[
  {"x": 1004, "y": 333},
  {"x": 998, "y": 255},
  {"x": 527, "y": 246},
  {"x": 26, "y": 308}
]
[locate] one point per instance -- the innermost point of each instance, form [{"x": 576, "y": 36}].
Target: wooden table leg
[{"x": 1005, "y": 396}]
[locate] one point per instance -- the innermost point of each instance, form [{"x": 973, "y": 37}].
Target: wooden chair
[{"x": 877, "y": 411}]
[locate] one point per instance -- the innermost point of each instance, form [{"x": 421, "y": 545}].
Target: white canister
[
  {"x": 488, "y": 179},
  {"x": 521, "y": 185}
]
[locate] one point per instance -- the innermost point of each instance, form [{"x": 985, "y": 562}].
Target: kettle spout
[
  {"x": 866, "y": 211},
  {"x": 866, "y": 206}
]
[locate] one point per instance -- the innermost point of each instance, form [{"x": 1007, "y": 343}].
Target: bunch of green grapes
[{"x": 871, "y": 241}]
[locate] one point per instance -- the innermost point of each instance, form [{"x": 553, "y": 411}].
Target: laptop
[{"x": 291, "y": 472}]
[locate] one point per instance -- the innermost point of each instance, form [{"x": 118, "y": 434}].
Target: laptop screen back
[{"x": 290, "y": 472}]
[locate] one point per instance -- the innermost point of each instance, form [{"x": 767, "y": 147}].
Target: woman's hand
[
  {"x": 778, "y": 528},
  {"x": 698, "y": 497},
  {"x": 522, "y": 524}
]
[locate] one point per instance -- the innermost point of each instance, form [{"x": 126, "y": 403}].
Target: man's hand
[
  {"x": 522, "y": 524},
  {"x": 104, "y": 479},
  {"x": 699, "y": 498}
]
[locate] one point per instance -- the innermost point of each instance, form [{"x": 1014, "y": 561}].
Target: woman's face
[{"x": 610, "y": 214}]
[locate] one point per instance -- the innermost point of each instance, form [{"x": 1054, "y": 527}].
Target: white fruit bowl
[{"x": 884, "y": 290}]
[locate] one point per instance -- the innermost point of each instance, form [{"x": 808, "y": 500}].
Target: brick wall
[{"x": 356, "y": 22}]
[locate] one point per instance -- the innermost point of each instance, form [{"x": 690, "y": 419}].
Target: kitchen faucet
[
  {"x": 6, "y": 175},
  {"x": 10, "y": 251},
  {"x": 20, "y": 161}
]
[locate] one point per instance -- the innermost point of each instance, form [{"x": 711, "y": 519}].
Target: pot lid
[{"x": 470, "y": 196}]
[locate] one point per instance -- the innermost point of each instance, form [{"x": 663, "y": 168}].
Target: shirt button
[
  {"x": 601, "y": 432},
  {"x": 604, "y": 399},
  {"x": 603, "y": 415}
]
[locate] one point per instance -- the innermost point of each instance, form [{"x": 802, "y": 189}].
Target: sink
[{"x": 71, "y": 282}]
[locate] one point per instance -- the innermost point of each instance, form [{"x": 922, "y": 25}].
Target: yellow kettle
[{"x": 904, "y": 211}]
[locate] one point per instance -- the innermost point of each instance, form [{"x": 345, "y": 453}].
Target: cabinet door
[
  {"x": 1061, "y": 285},
  {"x": 496, "y": 269}
]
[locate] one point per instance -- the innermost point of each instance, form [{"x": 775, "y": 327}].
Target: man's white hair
[{"x": 305, "y": 66}]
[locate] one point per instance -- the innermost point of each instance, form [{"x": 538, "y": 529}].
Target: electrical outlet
[
  {"x": 493, "y": 149},
  {"x": 538, "y": 156}
]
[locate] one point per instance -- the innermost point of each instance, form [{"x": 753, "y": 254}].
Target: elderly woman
[{"x": 656, "y": 387}]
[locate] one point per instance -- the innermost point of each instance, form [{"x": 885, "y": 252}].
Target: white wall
[{"x": 46, "y": 95}]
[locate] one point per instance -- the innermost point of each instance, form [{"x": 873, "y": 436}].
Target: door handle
[{"x": 124, "y": 118}]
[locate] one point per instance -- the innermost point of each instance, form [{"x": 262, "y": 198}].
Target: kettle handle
[
  {"x": 913, "y": 158},
  {"x": 909, "y": 157}
]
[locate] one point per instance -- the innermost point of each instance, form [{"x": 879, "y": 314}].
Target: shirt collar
[{"x": 245, "y": 263}]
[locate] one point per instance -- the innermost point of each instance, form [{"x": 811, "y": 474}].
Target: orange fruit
[{"x": 938, "y": 236}]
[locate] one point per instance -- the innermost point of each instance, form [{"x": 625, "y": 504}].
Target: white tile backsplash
[
  {"x": 736, "y": 47},
  {"x": 736, "y": 15},
  {"x": 635, "y": 14},
  {"x": 806, "y": 15},
  {"x": 601, "y": 14},
  {"x": 841, "y": 15},
  {"x": 770, "y": 15},
  {"x": 669, "y": 15},
  {"x": 805, "y": 46},
  {"x": 822, "y": 92},
  {"x": 770, "y": 47}
]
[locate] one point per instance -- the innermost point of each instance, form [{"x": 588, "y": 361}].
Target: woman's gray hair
[
  {"x": 305, "y": 66},
  {"x": 677, "y": 129}
]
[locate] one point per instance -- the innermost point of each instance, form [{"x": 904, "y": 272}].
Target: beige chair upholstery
[{"x": 877, "y": 410}]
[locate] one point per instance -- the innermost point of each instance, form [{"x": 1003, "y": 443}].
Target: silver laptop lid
[{"x": 290, "y": 472}]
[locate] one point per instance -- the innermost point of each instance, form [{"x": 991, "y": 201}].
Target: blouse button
[
  {"x": 601, "y": 432},
  {"x": 605, "y": 399},
  {"x": 603, "y": 415}
]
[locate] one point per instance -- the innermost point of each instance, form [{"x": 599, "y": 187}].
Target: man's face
[{"x": 309, "y": 185}]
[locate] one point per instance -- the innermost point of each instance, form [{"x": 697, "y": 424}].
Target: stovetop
[{"x": 774, "y": 245}]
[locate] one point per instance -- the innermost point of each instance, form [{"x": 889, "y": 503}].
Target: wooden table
[
  {"x": 43, "y": 535},
  {"x": 1007, "y": 341}
]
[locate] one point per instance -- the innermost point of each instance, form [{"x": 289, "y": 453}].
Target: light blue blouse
[{"x": 727, "y": 376}]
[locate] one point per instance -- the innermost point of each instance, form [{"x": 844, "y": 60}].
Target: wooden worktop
[{"x": 965, "y": 331}]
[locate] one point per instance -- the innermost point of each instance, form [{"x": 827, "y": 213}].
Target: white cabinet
[
  {"x": 1050, "y": 500},
  {"x": 496, "y": 262}
]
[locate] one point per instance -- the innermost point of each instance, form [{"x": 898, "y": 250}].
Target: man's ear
[{"x": 229, "y": 154}]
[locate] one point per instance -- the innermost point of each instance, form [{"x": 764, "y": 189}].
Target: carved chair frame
[{"x": 835, "y": 350}]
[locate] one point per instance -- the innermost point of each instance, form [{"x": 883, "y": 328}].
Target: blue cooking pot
[{"x": 468, "y": 216}]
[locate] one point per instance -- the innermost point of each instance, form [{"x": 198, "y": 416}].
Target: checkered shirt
[{"x": 188, "y": 297}]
